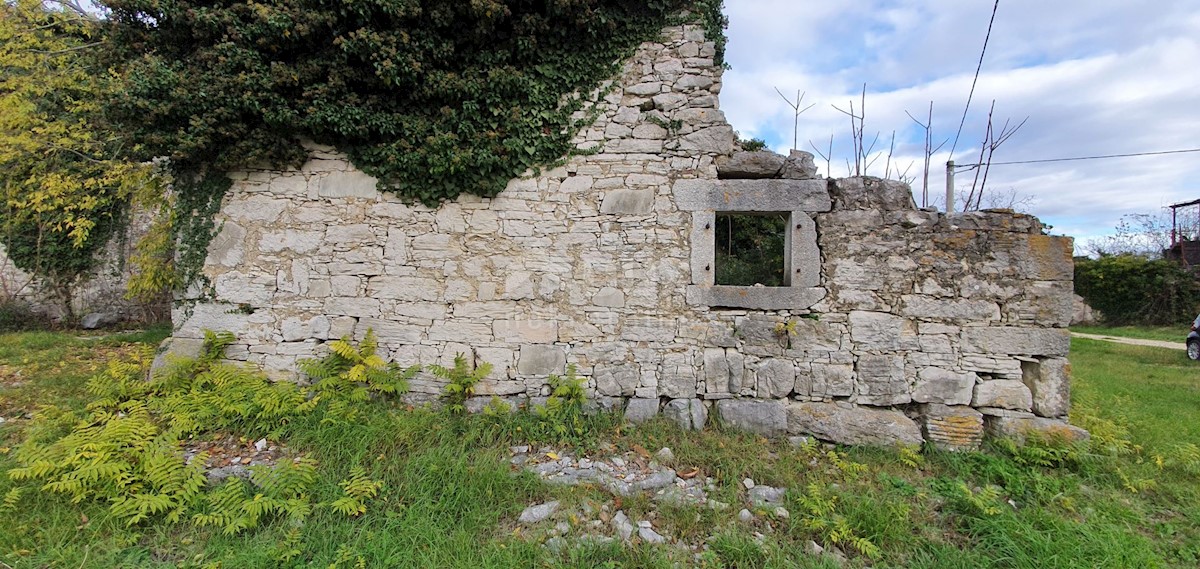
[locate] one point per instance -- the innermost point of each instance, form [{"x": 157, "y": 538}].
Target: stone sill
[{"x": 756, "y": 297}]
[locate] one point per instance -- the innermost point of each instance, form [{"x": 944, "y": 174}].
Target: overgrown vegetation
[
  {"x": 435, "y": 99},
  {"x": 420, "y": 488},
  {"x": 1132, "y": 289},
  {"x": 750, "y": 249},
  {"x": 65, "y": 178}
]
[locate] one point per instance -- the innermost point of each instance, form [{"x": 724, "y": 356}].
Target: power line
[
  {"x": 1073, "y": 159},
  {"x": 971, "y": 95}
]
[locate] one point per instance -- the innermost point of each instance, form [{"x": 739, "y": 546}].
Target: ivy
[{"x": 435, "y": 98}]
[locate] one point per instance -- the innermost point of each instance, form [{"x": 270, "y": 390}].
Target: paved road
[{"x": 1133, "y": 341}]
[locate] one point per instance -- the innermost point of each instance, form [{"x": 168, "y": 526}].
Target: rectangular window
[{"x": 751, "y": 248}]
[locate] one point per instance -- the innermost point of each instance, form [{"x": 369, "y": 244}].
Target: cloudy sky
[{"x": 1094, "y": 77}]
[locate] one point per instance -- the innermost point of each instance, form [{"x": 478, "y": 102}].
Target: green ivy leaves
[{"x": 434, "y": 98}]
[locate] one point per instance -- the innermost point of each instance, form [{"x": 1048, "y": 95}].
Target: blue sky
[{"x": 1094, "y": 77}]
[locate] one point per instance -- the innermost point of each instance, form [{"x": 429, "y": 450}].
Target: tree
[{"x": 64, "y": 185}]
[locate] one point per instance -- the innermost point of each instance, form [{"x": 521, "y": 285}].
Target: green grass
[
  {"x": 1162, "y": 333},
  {"x": 450, "y": 499}
]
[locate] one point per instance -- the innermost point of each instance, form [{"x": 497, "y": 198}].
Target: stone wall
[
  {"x": 100, "y": 298},
  {"x": 895, "y": 324}
]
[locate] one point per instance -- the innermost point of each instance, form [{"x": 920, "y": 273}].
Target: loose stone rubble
[
  {"x": 623, "y": 475},
  {"x": 896, "y": 325}
]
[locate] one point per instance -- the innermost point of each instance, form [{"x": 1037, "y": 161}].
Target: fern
[
  {"x": 562, "y": 416},
  {"x": 356, "y": 490},
  {"x": 461, "y": 381},
  {"x": 355, "y": 373},
  {"x": 819, "y": 513}
]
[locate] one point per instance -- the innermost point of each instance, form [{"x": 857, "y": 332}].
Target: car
[{"x": 1193, "y": 341}]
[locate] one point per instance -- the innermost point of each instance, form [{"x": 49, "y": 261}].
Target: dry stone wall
[{"x": 895, "y": 325}]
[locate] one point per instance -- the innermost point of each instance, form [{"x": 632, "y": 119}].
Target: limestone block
[
  {"x": 1049, "y": 382},
  {"x": 541, "y": 360},
  {"x": 956, "y": 310},
  {"x": 609, "y": 297},
  {"x": 693, "y": 83},
  {"x": 776, "y": 378},
  {"x": 937, "y": 385},
  {"x": 297, "y": 241},
  {"x": 799, "y": 166},
  {"x": 501, "y": 360},
  {"x": 689, "y": 414},
  {"x": 617, "y": 379},
  {"x": 1045, "y": 303},
  {"x": 754, "y": 297},
  {"x": 634, "y": 146},
  {"x": 628, "y": 202},
  {"x": 526, "y": 331},
  {"x": 470, "y": 332},
  {"x": 173, "y": 348},
  {"x": 881, "y": 380},
  {"x": 640, "y": 410},
  {"x": 248, "y": 289},
  {"x": 1003, "y": 394},
  {"x": 803, "y": 268},
  {"x": 667, "y": 102},
  {"x": 832, "y": 380},
  {"x": 749, "y": 165},
  {"x": 767, "y": 418},
  {"x": 877, "y": 330},
  {"x": 677, "y": 378},
  {"x": 870, "y": 194},
  {"x": 518, "y": 285},
  {"x": 1049, "y": 258},
  {"x": 408, "y": 289},
  {"x": 254, "y": 209},
  {"x": 752, "y": 195},
  {"x": 955, "y": 428},
  {"x": 712, "y": 140},
  {"x": 629, "y": 115},
  {"x": 1016, "y": 341},
  {"x": 644, "y": 89},
  {"x": 575, "y": 184},
  {"x": 716, "y": 372},
  {"x": 649, "y": 329},
  {"x": 219, "y": 317},
  {"x": 342, "y": 327},
  {"x": 1020, "y": 429},
  {"x": 851, "y": 425},
  {"x": 650, "y": 131},
  {"x": 388, "y": 332},
  {"x": 354, "y": 234},
  {"x": 347, "y": 184}
]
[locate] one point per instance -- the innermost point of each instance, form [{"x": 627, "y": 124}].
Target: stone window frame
[{"x": 801, "y": 199}]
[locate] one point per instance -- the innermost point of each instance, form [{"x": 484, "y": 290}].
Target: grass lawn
[
  {"x": 1163, "y": 333},
  {"x": 450, "y": 498}
]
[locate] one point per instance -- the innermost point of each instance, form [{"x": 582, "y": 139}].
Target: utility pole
[{"x": 950, "y": 186}]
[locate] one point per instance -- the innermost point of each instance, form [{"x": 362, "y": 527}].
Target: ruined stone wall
[
  {"x": 100, "y": 298},
  {"x": 895, "y": 324}
]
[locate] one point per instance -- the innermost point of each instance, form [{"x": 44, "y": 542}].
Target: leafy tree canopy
[
  {"x": 63, "y": 184},
  {"x": 433, "y": 97}
]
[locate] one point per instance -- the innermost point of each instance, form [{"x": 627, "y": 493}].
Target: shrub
[{"x": 1130, "y": 289}]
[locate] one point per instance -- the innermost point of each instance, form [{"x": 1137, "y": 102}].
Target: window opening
[{"x": 751, "y": 248}]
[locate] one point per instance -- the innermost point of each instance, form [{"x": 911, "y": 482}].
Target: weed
[{"x": 462, "y": 380}]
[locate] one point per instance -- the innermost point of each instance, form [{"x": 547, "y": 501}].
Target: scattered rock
[
  {"x": 745, "y": 516},
  {"x": 538, "y": 512},
  {"x": 623, "y": 526},
  {"x": 748, "y": 483},
  {"x": 766, "y": 496},
  {"x": 99, "y": 320},
  {"x": 782, "y": 513},
  {"x": 665, "y": 455},
  {"x": 648, "y": 534}
]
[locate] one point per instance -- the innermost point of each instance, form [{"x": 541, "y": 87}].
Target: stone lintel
[
  {"x": 752, "y": 195},
  {"x": 757, "y": 297}
]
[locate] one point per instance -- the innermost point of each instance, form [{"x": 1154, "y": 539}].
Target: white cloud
[{"x": 1094, "y": 77}]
